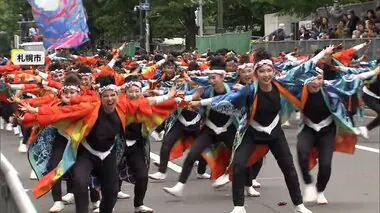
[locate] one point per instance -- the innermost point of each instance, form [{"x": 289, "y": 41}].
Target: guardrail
[
  {"x": 13, "y": 198},
  {"x": 309, "y": 46}
]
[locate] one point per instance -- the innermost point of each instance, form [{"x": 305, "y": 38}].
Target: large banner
[{"x": 62, "y": 22}]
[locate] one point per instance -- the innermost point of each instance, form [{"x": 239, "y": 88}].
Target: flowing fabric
[{"x": 63, "y": 22}]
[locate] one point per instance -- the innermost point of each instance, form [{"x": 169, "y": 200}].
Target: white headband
[
  {"x": 133, "y": 83},
  {"x": 319, "y": 70},
  {"x": 262, "y": 63},
  {"x": 76, "y": 88},
  {"x": 246, "y": 65},
  {"x": 57, "y": 71},
  {"x": 112, "y": 87},
  {"x": 85, "y": 74},
  {"x": 220, "y": 72}
]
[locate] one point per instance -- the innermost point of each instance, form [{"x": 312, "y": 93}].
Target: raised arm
[
  {"x": 49, "y": 115},
  {"x": 232, "y": 103}
]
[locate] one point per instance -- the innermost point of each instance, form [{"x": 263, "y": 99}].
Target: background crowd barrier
[
  {"x": 309, "y": 46},
  {"x": 239, "y": 42},
  {"x": 13, "y": 198}
]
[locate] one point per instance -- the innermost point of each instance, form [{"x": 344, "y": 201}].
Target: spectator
[
  {"x": 338, "y": 31},
  {"x": 377, "y": 25},
  {"x": 345, "y": 18},
  {"x": 353, "y": 22},
  {"x": 378, "y": 13},
  {"x": 324, "y": 27},
  {"x": 279, "y": 34},
  {"x": 370, "y": 15},
  {"x": 371, "y": 29},
  {"x": 304, "y": 34},
  {"x": 360, "y": 31},
  {"x": 314, "y": 31},
  {"x": 34, "y": 33}
]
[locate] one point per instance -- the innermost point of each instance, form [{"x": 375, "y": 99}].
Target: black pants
[
  {"x": 373, "y": 104},
  {"x": 280, "y": 150},
  {"x": 7, "y": 111},
  {"x": 136, "y": 162},
  {"x": 25, "y": 134},
  {"x": 253, "y": 171},
  {"x": 205, "y": 138},
  {"x": 325, "y": 141},
  {"x": 56, "y": 156},
  {"x": 175, "y": 133},
  {"x": 161, "y": 127},
  {"x": 107, "y": 174}
]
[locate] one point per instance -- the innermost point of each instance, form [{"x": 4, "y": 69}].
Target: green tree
[
  {"x": 247, "y": 15},
  {"x": 10, "y": 14},
  {"x": 111, "y": 19},
  {"x": 179, "y": 17}
]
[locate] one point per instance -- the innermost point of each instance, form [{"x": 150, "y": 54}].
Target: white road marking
[
  {"x": 367, "y": 148},
  {"x": 171, "y": 165}
]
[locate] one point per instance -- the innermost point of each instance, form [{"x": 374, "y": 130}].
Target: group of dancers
[{"x": 89, "y": 120}]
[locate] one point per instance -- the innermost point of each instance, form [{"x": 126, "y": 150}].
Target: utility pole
[
  {"x": 147, "y": 29},
  {"x": 220, "y": 17},
  {"x": 141, "y": 23},
  {"x": 200, "y": 18}
]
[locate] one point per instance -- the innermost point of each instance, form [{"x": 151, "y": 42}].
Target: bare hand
[
  {"x": 329, "y": 49},
  {"x": 198, "y": 93},
  {"x": 368, "y": 42},
  {"x": 172, "y": 92},
  {"x": 195, "y": 104},
  {"x": 14, "y": 99},
  {"x": 377, "y": 70},
  {"x": 237, "y": 86},
  {"x": 18, "y": 118},
  {"x": 27, "y": 108}
]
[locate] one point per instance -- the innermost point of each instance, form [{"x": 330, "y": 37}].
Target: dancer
[
  {"x": 371, "y": 97},
  {"x": 218, "y": 127},
  {"x": 105, "y": 120},
  {"x": 183, "y": 124},
  {"x": 264, "y": 103},
  {"x": 326, "y": 128}
]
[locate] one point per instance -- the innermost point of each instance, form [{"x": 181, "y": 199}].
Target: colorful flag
[{"x": 63, "y": 22}]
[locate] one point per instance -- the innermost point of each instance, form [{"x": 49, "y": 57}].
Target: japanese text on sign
[{"x": 28, "y": 57}]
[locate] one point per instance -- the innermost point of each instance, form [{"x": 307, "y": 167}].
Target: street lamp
[{"x": 138, "y": 8}]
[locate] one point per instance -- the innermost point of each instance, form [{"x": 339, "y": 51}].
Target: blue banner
[{"x": 62, "y": 22}]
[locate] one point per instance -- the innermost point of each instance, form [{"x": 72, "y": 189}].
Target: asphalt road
[{"x": 353, "y": 187}]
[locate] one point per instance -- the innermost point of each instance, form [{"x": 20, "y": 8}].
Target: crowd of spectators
[{"x": 350, "y": 26}]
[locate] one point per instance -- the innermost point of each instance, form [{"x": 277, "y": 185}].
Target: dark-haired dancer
[
  {"x": 264, "y": 104},
  {"x": 326, "y": 128},
  {"x": 105, "y": 120},
  {"x": 371, "y": 97},
  {"x": 218, "y": 127}
]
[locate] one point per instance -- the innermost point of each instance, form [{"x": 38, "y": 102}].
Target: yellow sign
[{"x": 13, "y": 54}]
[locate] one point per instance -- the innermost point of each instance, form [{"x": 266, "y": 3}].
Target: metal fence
[
  {"x": 233, "y": 41},
  {"x": 13, "y": 198},
  {"x": 130, "y": 49},
  {"x": 308, "y": 47}
]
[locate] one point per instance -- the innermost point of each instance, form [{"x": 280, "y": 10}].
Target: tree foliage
[
  {"x": 112, "y": 19},
  {"x": 116, "y": 20},
  {"x": 10, "y": 14},
  {"x": 247, "y": 15}
]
